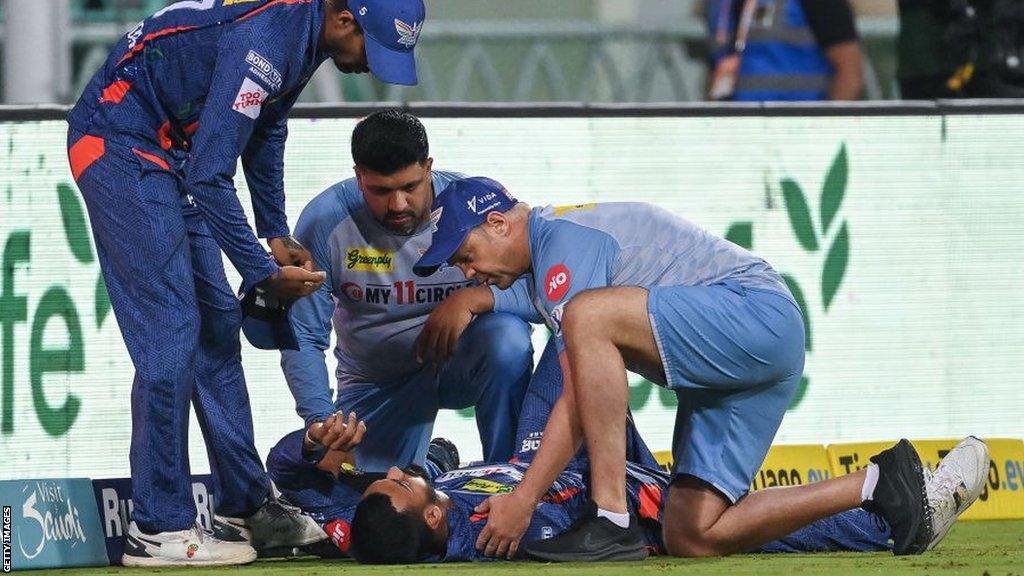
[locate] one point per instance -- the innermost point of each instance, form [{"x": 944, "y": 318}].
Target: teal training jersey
[{"x": 628, "y": 244}]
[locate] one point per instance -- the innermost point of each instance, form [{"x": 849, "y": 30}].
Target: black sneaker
[
  {"x": 901, "y": 499},
  {"x": 592, "y": 539},
  {"x": 444, "y": 454}
]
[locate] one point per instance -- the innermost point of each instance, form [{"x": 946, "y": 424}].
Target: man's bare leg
[
  {"x": 700, "y": 521},
  {"x": 600, "y": 327}
]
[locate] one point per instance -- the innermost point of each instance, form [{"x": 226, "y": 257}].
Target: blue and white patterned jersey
[
  {"x": 329, "y": 500},
  {"x": 558, "y": 509},
  {"x": 201, "y": 83},
  {"x": 576, "y": 248}
]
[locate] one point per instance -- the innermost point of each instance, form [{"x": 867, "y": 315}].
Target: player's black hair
[
  {"x": 339, "y": 5},
  {"x": 388, "y": 141},
  {"x": 383, "y": 535}
]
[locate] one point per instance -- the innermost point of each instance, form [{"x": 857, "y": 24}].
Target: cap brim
[
  {"x": 262, "y": 329},
  {"x": 391, "y": 66},
  {"x": 268, "y": 335},
  {"x": 438, "y": 254}
]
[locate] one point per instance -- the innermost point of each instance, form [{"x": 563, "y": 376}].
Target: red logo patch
[
  {"x": 339, "y": 533},
  {"x": 556, "y": 282}
]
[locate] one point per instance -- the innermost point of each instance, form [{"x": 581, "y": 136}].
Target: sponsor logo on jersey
[
  {"x": 532, "y": 442},
  {"x": 369, "y": 260},
  {"x": 481, "y": 471},
  {"x": 249, "y": 101},
  {"x": 487, "y": 486},
  {"x": 408, "y": 35},
  {"x": 563, "y": 210},
  {"x": 556, "y": 282},
  {"x": 263, "y": 69},
  {"x": 233, "y": 2},
  {"x": 339, "y": 533},
  {"x": 401, "y": 292}
]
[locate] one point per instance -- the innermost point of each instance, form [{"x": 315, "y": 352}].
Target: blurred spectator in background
[
  {"x": 783, "y": 50},
  {"x": 961, "y": 49}
]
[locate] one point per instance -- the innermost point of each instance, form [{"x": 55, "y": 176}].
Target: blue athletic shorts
[{"x": 733, "y": 356}]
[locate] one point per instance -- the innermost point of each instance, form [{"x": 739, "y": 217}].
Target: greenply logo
[{"x": 56, "y": 303}]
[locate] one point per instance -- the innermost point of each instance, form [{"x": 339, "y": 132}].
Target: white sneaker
[
  {"x": 955, "y": 484},
  {"x": 192, "y": 547},
  {"x": 273, "y": 525}
]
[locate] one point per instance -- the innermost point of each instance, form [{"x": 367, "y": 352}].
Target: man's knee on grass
[{"x": 693, "y": 509}]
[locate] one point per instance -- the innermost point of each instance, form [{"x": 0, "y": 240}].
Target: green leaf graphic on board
[
  {"x": 835, "y": 266},
  {"x": 639, "y": 393},
  {"x": 801, "y": 391},
  {"x": 801, "y": 302},
  {"x": 667, "y": 397},
  {"x": 741, "y": 234},
  {"x": 799, "y": 214},
  {"x": 75, "y": 228},
  {"x": 102, "y": 301},
  {"x": 833, "y": 189}
]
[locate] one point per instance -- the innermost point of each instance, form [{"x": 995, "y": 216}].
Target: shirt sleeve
[
  {"x": 263, "y": 165},
  {"x": 232, "y": 108},
  {"x": 831, "y": 21},
  {"x": 570, "y": 259},
  {"x": 305, "y": 369},
  {"x": 303, "y": 484},
  {"x": 516, "y": 300},
  {"x": 286, "y": 462}
]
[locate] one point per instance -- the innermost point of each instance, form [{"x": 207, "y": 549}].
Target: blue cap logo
[
  {"x": 435, "y": 217},
  {"x": 408, "y": 35},
  {"x": 391, "y": 29}
]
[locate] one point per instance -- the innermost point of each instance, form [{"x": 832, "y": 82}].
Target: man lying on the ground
[{"x": 405, "y": 518}]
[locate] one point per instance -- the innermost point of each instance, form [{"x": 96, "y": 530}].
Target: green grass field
[{"x": 991, "y": 548}]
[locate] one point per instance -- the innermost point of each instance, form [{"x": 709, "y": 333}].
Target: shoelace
[
  {"x": 942, "y": 483},
  {"x": 202, "y": 534},
  {"x": 278, "y": 509}
]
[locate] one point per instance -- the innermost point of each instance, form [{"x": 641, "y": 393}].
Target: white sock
[
  {"x": 867, "y": 492},
  {"x": 620, "y": 520}
]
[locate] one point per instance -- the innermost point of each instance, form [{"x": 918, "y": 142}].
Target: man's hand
[
  {"x": 287, "y": 251},
  {"x": 445, "y": 325},
  {"x": 442, "y": 330},
  {"x": 292, "y": 282},
  {"x": 508, "y": 518},
  {"x": 336, "y": 433}
]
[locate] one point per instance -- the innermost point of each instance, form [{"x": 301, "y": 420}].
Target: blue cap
[
  {"x": 266, "y": 320},
  {"x": 462, "y": 206},
  {"x": 391, "y": 29}
]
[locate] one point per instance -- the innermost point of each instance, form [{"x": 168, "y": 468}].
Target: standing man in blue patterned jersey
[{"x": 153, "y": 144}]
